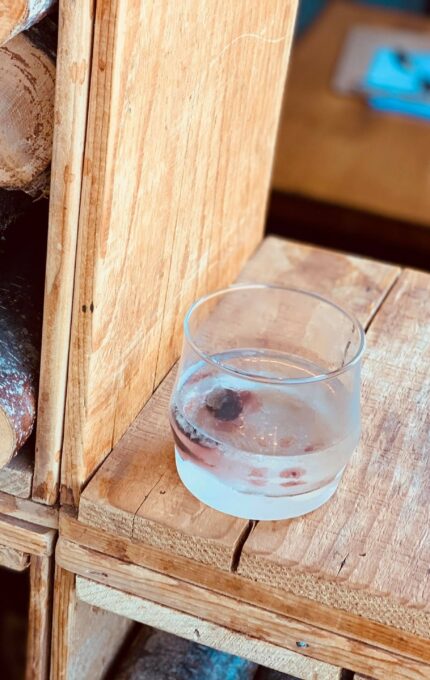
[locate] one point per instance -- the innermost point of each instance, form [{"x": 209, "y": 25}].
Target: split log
[
  {"x": 155, "y": 655},
  {"x": 19, "y": 15},
  {"x": 27, "y": 82}
]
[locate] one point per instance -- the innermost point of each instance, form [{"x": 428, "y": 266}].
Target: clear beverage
[{"x": 262, "y": 433}]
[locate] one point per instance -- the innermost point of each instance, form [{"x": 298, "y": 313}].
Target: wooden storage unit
[
  {"x": 346, "y": 585},
  {"x": 28, "y": 546}
]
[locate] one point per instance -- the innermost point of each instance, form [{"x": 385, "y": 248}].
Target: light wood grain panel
[
  {"x": 13, "y": 559},
  {"x": 16, "y": 478},
  {"x": 71, "y": 100},
  {"x": 201, "y": 631},
  {"x": 235, "y": 615},
  {"x": 335, "y": 148},
  {"x": 39, "y": 618},
  {"x": 85, "y": 639},
  {"x": 27, "y": 537},
  {"x": 367, "y": 551},
  {"x": 137, "y": 491},
  {"x": 259, "y": 594},
  {"x": 183, "y": 113},
  {"x": 28, "y": 511}
]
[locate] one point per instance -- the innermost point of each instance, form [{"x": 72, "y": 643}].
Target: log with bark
[
  {"x": 21, "y": 302},
  {"x": 19, "y": 15},
  {"x": 27, "y": 81}
]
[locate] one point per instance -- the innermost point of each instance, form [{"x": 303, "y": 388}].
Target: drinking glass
[{"x": 265, "y": 412}]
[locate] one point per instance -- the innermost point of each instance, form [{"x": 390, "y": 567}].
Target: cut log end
[
  {"x": 19, "y": 15},
  {"x": 7, "y": 440}
]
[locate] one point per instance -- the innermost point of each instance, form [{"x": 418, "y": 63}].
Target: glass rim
[{"x": 259, "y": 378}]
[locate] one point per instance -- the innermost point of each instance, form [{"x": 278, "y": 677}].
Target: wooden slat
[
  {"x": 16, "y": 478},
  {"x": 137, "y": 491},
  {"x": 28, "y": 511},
  {"x": 368, "y": 550},
  {"x": 203, "y": 632},
  {"x": 335, "y": 148},
  {"x": 39, "y": 618},
  {"x": 71, "y": 102},
  {"x": 255, "y": 593},
  {"x": 26, "y": 537},
  {"x": 13, "y": 559},
  {"x": 85, "y": 640},
  {"x": 183, "y": 113},
  {"x": 236, "y": 615}
]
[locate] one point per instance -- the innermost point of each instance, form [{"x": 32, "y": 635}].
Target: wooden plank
[
  {"x": 137, "y": 491},
  {"x": 335, "y": 148},
  {"x": 26, "y": 537},
  {"x": 39, "y": 618},
  {"x": 182, "y": 128},
  {"x": 71, "y": 103},
  {"x": 28, "y": 511},
  {"x": 17, "y": 477},
  {"x": 204, "y": 632},
  {"x": 13, "y": 559},
  {"x": 368, "y": 550},
  {"x": 85, "y": 640},
  {"x": 236, "y": 615},
  {"x": 255, "y": 593}
]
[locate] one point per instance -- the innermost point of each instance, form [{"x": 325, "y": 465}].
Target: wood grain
[
  {"x": 203, "y": 632},
  {"x": 13, "y": 559},
  {"x": 183, "y": 112},
  {"x": 335, "y": 148},
  {"x": 137, "y": 492},
  {"x": 17, "y": 477},
  {"x": 71, "y": 102},
  {"x": 26, "y": 537},
  {"x": 39, "y": 618},
  {"x": 28, "y": 511},
  {"x": 259, "y": 594},
  {"x": 85, "y": 639},
  {"x": 235, "y": 615},
  {"x": 368, "y": 550}
]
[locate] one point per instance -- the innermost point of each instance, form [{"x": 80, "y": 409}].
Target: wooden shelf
[
  {"x": 339, "y": 571},
  {"x": 334, "y": 148}
]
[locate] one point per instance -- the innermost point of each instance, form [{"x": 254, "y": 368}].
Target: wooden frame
[{"x": 25, "y": 545}]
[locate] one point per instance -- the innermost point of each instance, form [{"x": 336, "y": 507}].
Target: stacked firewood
[{"x": 27, "y": 81}]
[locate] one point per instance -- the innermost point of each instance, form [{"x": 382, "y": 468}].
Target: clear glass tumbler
[{"x": 265, "y": 412}]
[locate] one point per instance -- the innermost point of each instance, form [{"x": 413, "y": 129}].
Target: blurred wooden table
[
  {"x": 334, "y": 148},
  {"x": 345, "y": 586}
]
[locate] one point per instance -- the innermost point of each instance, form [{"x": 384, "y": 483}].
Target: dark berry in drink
[{"x": 224, "y": 403}]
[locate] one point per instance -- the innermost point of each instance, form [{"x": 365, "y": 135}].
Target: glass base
[{"x": 204, "y": 486}]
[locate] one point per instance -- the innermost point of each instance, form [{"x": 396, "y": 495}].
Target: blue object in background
[
  {"x": 399, "y": 82},
  {"x": 309, "y": 9}
]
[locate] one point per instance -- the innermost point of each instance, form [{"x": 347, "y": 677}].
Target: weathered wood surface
[
  {"x": 28, "y": 511},
  {"x": 16, "y": 478},
  {"x": 19, "y": 15},
  {"x": 182, "y": 122},
  {"x": 13, "y": 559},
  {"x": 39, "y": 618},
  {"x": 26, "y": 537},
  {"x": 368, "y": 550},
  {"x": 203, "y": 631},
  {"x": 239, "y": 616},
  {"x": 85, "y": 640},
  {"x": 137, "y": 492},
  {"x": 27, "y": 75},
  {"x": 71, "y": 103},
  {"x": 282, "y": 602},
  {"x": 156, "y": 655}
]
